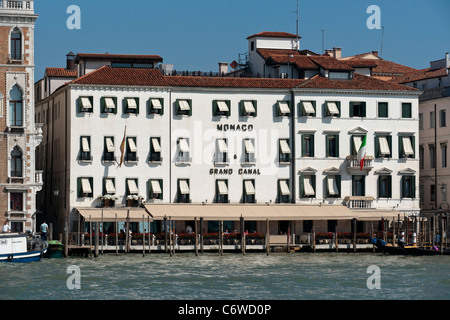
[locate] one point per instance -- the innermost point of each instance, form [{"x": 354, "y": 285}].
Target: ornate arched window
[
  {"x": 16, "y": 162},
  {"x": 16, "y": 44},
  {"x": 15, "y": 107}
]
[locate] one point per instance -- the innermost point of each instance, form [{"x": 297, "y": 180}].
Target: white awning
[
  {"x": 332, "y": 108},
  {"x": 86, "y": 103},
  {"x": 109, "y": 186},
  {"x": 222, "y": 187},
  {"x": 249, "y": 187},
  {"x": 184, "y": 187},
  {"x": 156, "y": 145},
  {"x": 132, "y": 187},
  {"x": 284, "y": 188},
  {"x": 332, "y": 186},
  {"x": 110, "y": 145},
  {"x": 222, "y": 144},
  {"x": 357, "y": 140},
  {"x": 308, "y": 107},
  {"x": 384, "y": 146},
  {"x": 222, "y": 105},
  {"x": 184, "y": 146},
  {"x": 249, "y": 147},
  {"x": 407, "y": 146},
  {"x": 110, "y": 214},
  {"x": 309, "y": 190},
  {"x": 86, "y": 185},
  {"x": 132, "y": 103},
  {"x": 156, "y": 187},
  {"x": 248, "y": 107},
  {"x": 132, "y": 145},
  {"x": 156, "y": 103},
  {"x": 284, "y": 107},
  {"x": 184, "y": 105},
  {"x": 109, "y": 102},
  {"x": 257, "y": 212},
  {"x": 284, "y": 146},
  {"x": 85, "y": 144}
]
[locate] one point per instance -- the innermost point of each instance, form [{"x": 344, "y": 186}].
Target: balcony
[
  {"x": 435, "y": 93},
  {"x": 358, "y": 202},
  {"x": 353, "y": 164},
  {"x": 17, "y": 5}
]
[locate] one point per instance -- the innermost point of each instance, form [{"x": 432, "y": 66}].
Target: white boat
[{"x": 21, "y": 247}]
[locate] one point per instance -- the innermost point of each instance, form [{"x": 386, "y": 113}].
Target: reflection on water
[{"x": 231, "y": 276}]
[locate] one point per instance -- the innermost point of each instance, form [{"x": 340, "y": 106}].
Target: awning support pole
[
  {"x": 267, "y": 237},
  {"x": 117, "y": 236},
  {"x": 196, "y": 235}
]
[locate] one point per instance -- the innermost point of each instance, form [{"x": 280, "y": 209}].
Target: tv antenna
[{"x": 382, "y": 39}]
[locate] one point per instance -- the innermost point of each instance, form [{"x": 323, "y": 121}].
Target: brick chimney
[
  {"x": 70, "y": 62},
  {"x": 337, "y": 52},
  {"x": 375, "y": 53},
  {"x": 223, "y": 68}
]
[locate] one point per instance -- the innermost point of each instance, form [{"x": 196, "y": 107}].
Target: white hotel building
[{"x": 222, "y": 148}]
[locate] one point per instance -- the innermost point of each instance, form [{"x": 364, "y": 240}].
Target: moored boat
[
  {"x": 55, "y": 249},
  {"x": 402, "y": 249},
  {"x": 20, "y": 247}
]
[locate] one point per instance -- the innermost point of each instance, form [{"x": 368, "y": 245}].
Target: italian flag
[{"x": 362, "y": 153}]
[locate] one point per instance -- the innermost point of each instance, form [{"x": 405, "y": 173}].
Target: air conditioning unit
[{"x": 284, "y": 75}]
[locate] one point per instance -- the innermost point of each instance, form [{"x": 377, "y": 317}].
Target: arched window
[
  {"x": 16, "y": 162},
  {"x": 16, "y": 44},
  {"x": 15, "y": 107}
]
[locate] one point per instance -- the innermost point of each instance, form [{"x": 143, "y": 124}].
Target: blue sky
[{"x": 197, "y": 34}]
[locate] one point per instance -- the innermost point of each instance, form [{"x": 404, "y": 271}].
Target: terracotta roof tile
[
  {"x": 420, "y": 75},
  {"x": 359, "y": 82},
  {"x": 108, "y": 56},
  {"x": 273, "y": 34},
  {"x": 152, "y": 77},
  {"x": 330, "y": 63},
  {"x": 61, "y": 72}
]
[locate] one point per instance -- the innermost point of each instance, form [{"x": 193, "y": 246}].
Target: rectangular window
[
  {"x": 384, "y": 186},
  {"x": 333, "y": 186},
  {"x": 356, "y": 142},
  {"x": 155, "y": 106},
  {"x": 183, "y": 191},
  {"x": 383, "y": 146},
  {"x": 221, "y": 191},
  {"x": 108, "y": 105},
  {"x": 358, "y": 186},
  {"x": 383, "y": 110},
  {"x": 249, "y": 191},
  {"x": 131, "y": 105},
  {"x": 442, "y": 120},
  {"x": 443, "y": 155},
  {"x": 249, "y": 151},
  {"x": 85, "y": 149},
  {"x": 307, "y": 186},
  {"x": 109, "y": 186},
  {"x": 221, "y": 151},
  {"x": 332, "y": 145},
  {"x": 284, "y": 151},
  {"x": 183, "y": 107},
  {"x": 406, "y": 146},
  {"x": 248, "y": 108},
  {"x": 132, "y": 192},
  {"x": 408, "y": 187},
  {"x": 308, "y": 108},
  {"x": 155, "y": 149},
  {"x": 421, "y": 155},
  {"x": 283, "y": 108},
  {"x": 406, "y": 110},
  {"x": 221, "y": 108},
  {"x": 183, "y": 150},
  {"x": 432, "y": 151},
  {"x": 357, "y": 109},
  {"x": 432, "y": 119},
  {"x": 308, "y": 145},
  {"x": 284, "y": 193},
  {"x": 109, "y": 149},
  {"x": 131, "y": 150},
  {"x": 332, "y": 108},
  {"x": 85, "y": 187},
  {"x": 85, "y": 104},
  {"x": 155, "y": 189},
  {"x": 432, "y": 193},
  {"x": 420, "y": 121},
  {"x": 16, "y": 201}
]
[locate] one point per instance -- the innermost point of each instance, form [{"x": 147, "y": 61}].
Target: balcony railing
[
  {"x": 16, "y": 4},
  {"x": 359, "y": 202},
  {"x": 354, "y": 164}
]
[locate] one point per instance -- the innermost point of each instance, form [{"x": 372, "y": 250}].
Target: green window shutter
[
  {"x": 79, "y": 188},
  {"x": 363, "y": 106},
  {"x": 327, "y": 145},
  {"x": 102, "y": 105},
  {"x": 302, "y": 186},
  {"x": 413, "y": 187},
  {"x": 401, "y": 154},
  {"x": 389, "y": 186},
  {"x": 255, "y": 105},
  {"x": 413, "y": 145},
  {"x": 379, "y": 184},
  {"x": 382, "y": 110},
  {"x": 303, "y": 145},
  {"x": 190, "y": 107},
  {"x": 177, "y": 107},
  {"x": 162, "y": 105},
  {"x": 312, "y": 144},
  {"x": 351, "y": 109},
  {"x": 406, "y": 110},
  {"x": 377, "y": 146},
  {"x": 214, "y": 108},
  {"x": 389, "y": 140},
  {"x": 338, "y": 184},
  {"x": 337, "y": 145},
  {"x": 241, "y": 108},
  {"x": 137, "y": 104}
]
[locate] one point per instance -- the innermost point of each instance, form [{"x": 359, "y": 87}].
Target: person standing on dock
[{"x": 44, "y": 230}]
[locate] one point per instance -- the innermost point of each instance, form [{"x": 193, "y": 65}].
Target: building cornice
[{"x": 357, "y": 92}]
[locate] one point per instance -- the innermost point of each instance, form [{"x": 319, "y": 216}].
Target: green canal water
[{"x": 255, "y": 276}]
